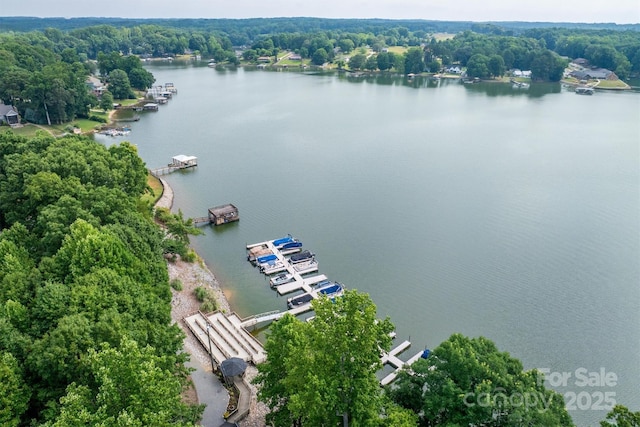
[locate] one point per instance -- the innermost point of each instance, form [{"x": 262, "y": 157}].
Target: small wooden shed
[{"x": 223, "y": 214}]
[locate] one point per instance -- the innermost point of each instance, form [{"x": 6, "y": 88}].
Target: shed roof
[
  {"x": 7, "y": 110},
  {"x": 182, "y": 158},
  {"x": 223, "y": 209}
]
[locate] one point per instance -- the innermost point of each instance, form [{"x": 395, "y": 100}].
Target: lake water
[{"x": 479, "y": 209}]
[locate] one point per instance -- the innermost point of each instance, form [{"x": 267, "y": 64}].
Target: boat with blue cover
[
  {"x": 266, "y": 258},
  {"x": 287, "y": 239},
  {"x": 331, "y": 290}
]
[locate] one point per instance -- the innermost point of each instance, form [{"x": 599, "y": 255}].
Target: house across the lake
[
  {"x": 9, "y": 115},
  {"x": 596, "y": 73}
]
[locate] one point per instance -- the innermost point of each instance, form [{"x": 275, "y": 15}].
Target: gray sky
[{"x": 619, "y": 11}]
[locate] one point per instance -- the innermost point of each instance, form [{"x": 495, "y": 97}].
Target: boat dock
[
  {"x": 226, "y": 336},
  {"x": 177, "y": 163},
  {"x": 392, "y": 359},
  {"x": 296, "y": 270}
]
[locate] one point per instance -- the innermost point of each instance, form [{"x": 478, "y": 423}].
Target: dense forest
[{"x": 85, "y": 328}]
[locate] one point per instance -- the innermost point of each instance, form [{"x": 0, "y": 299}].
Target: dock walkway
[
  {"x": 392, "y": 359},
  {"x": 224, "y": 337}
]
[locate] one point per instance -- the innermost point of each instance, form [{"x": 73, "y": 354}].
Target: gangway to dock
[{"x": 177, "y": 163}]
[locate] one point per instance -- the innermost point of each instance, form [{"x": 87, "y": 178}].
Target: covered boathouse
[
  {"x": 181, "y": 161},
  {"x": 223, "y": 214}
]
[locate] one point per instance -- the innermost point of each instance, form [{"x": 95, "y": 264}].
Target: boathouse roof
[
  {"x": 223, "y": 210},
  {"x": 184, "y": 159}
]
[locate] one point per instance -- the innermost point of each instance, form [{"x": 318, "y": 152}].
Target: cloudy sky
[{"x": 619, "y": 11}]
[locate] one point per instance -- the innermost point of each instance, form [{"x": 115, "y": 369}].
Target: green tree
[
  {"x": 469, "y": 382},
  {"x": 357, "y": 61},
  {"x": 346, "y": 45},
  {"x": 414, "y": 61},
  {"x": 14, "y": 393},
  {"x": 134, "y": 387},
  {"x": 371, "y": 64},
  {"x": 621, "y": 416},
  {"x": 384, "y": 61},
  {"x": 496, "y": 66},
  {"x": 319, "y": 57},
  {"x": 547, "y": 66},
  {"x": 106, "y": 101},
  {"x": 326, "y": 369},
  {"x": 119, "y": 85},
  {"x": 140, "y": 78},
  {"x": 478, "y": 66}
]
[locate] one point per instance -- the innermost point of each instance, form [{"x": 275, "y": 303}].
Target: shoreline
[{"x": 184, "y": 303}]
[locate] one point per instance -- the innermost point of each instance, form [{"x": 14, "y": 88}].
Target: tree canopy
[
  {"x": 85, "y": 327},
  {"x": 470, "y": 382},
  {"x": 325, "y": 370}
]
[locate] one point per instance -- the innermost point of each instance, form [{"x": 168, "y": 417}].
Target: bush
[
  {"x": 208, "y": 306},
  {"x": 206, "y": 297},
  {"x": 99, "y": 119},
  {"x": 176, "y": 284},
  {"x": 190, "y": 256},
  {"x": 200, "y": 293}
]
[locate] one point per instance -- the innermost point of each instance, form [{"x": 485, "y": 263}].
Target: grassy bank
[{"x": 156, "y": 190}]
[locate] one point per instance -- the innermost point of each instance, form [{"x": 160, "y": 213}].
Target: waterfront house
[
  {"x": 596, "y": 73},
  {"x": 9, "y": 115},
  {"x": 95, "y": 85}
]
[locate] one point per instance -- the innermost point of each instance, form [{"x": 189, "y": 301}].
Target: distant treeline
[
  {"x": 43, "y": 71},
  {"x": 255, "y": 26}
]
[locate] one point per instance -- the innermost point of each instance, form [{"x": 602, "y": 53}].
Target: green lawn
[
  {"x": 612, "y": 84},
  {"x": 397, "y": 49},
  {"x": 28, "y": 130},
  {"x": 156, "y": 188}
]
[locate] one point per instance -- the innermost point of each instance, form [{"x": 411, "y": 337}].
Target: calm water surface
[{"x": 478, "y": 209}]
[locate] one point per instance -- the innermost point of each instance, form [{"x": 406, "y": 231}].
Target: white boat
[
  {"x": 584, "y": 90},
  {"x": 273, "y": 267},
  {"x": 520, "y": 85},
  {"x": 306, "y": 267},
  {"x": 281, "y": 279}
]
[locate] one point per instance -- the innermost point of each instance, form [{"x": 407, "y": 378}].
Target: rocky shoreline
[{"x": 184, "y": 303}]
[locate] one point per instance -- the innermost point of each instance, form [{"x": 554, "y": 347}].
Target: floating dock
[
  {"x": 296, "y": 270},
  {"x": 392, "y": 359},
  {"x": 225, "y": 336}
]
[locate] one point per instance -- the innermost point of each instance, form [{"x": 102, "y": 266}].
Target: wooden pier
[{"x": 177, "y": 163}]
